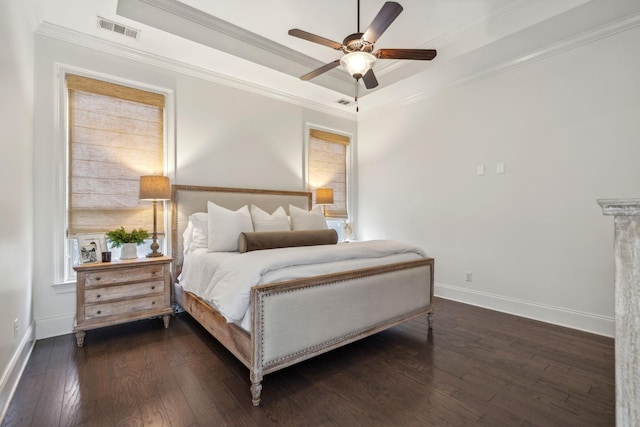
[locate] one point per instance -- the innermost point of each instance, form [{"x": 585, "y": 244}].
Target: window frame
[{"x": 64, "y": 278}]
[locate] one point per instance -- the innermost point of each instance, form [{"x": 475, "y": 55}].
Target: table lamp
[
  {"x": 154, "y": 188},
  {"x": 324, "y": 196}
]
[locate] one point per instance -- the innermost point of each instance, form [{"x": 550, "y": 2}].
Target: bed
[{"x": 293, "y": 320}]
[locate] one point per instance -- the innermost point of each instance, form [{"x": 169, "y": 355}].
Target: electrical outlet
[
  {"x": 15, "y": 328},
  {"x": 468, "y": 277}
]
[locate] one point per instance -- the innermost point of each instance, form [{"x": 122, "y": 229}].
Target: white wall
[
  {"x": 233, "y": 138},
  {"x": 224, "y": 137},
  {"x": 567, "y": 127},
  {"x": 16, "y": 187}
]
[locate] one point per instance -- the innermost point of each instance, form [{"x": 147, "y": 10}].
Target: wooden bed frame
[{"x": 277, "y": 340}]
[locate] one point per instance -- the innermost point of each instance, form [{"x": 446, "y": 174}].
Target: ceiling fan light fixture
[{"x": 357, "y": 63}]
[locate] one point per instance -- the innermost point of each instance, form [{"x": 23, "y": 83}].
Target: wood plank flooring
[{"x": 477, "y": 367}]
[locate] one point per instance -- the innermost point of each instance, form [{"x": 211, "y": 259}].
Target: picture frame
[
  {"x": 89, "y": 254},
  {"x": 90, "y": 247},
  {"x": 347, "y": 231}
]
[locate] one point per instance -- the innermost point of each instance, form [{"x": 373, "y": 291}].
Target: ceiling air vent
[
  {"x": 108, "y": 25},
  {"x": 343, "y": 101}
]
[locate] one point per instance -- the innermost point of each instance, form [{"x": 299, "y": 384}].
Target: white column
[{"x": 626, "y": 214}]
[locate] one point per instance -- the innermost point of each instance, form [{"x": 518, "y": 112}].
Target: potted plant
[{"x": 128, "y": 240}]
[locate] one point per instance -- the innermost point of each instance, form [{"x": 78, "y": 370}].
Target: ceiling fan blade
[
  {"x": 316, "y": 39},
  {"x": 369, "y": 79},
  {"x": 323, "y": 69},
  {"x": 417, "y": 54},
  {"x": 389, "y": 12}
]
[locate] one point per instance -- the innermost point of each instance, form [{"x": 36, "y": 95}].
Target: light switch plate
[
  {"x": 480, "y": 170},
  {"x": 500, "y": 168}
]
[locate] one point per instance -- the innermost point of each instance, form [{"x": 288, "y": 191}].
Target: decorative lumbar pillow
[
  {"x": 225, "y": 226},
  {"x": 307, "y": 220},
  {"x": 258, "y": 240},
  {"x": 262, "y": 221},
  {"x": 200, "y": 234}
]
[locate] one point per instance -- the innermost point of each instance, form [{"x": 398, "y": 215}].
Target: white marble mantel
[{"x": 626, "y": 213}]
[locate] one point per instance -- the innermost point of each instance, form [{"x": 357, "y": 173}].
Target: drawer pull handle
[
  {"x": 153, "y": 303},
  {"x": 98, "y": 278},
  {"x": 153, "y": 287},
  {"x": 98, "y": 296},
  {"x": 99, "y": 311}
]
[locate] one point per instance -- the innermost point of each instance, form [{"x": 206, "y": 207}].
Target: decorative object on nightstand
[
  {"x": 154, "y": 188},
  {"x": 324, "y": 197},
  {"x": 121, "y": 291},
  {"x": 347, "y": 231},
  {"x": 90, "y": 246},
  {"x": 127, "y": 240}
]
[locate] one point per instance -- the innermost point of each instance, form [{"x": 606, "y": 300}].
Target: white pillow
[
  {"x": 307, "y": 220},
  {"x": 225, "y": 227},
  {"x": 262, "y": 221},
  {"x": 200, "y": 235},
  {"x": 187, "y": 238}
]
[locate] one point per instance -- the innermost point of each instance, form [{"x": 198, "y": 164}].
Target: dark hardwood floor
[{"x": 477, "y": 367}]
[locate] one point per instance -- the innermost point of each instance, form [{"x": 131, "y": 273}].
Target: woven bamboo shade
[{"x": 116, "y": 135}]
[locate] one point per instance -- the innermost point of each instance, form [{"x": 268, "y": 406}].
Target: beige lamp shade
[
  {"x": 154, "y": 187},
  {"x": 324, "y": 196}
]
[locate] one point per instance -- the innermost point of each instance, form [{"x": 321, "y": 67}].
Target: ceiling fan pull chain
[
  {"x": 358, "y": 15},
  {"x": 356, "y": 97}
]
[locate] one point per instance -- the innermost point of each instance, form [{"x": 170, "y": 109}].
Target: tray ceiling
[{"x": 247, "y": 40}]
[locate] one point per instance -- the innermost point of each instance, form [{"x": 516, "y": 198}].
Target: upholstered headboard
[{"x": 189, "y": 199}]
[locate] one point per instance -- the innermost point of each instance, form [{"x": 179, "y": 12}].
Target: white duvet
[{"x": 225, "y": 279}]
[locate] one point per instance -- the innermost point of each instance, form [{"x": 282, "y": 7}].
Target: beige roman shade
[
  {"x": 328, "y": 169},
  {"x": 116, "y": 135}
]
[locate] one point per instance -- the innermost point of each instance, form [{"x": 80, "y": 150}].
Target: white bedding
[{"x": 225, "y": 279}]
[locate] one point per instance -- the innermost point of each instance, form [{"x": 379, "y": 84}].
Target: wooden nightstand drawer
[
  {"x": 95, "y": 295},
  {"x": 123, "y": 307},
  {"x": 131, "y": 274}
]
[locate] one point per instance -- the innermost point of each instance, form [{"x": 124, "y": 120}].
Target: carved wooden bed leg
[{"x": 256, "y": 387}]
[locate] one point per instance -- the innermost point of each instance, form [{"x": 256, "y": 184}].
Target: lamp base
[{"x": 154, "y": 246}]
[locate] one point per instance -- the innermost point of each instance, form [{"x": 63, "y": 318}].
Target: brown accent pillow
[{"x": 258, "y": 240}]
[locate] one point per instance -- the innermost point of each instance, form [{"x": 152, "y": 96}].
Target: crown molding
[
  {"x": 105, "y": 46},
  {"x": 217, "y": 25},
  {"x": 192, "y": 24},
  {"x": 475, "y": 31}
]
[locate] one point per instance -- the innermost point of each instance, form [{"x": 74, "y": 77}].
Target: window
[
  {"x": 116, "y": 135},
  {"x": 328, "y": 155}
]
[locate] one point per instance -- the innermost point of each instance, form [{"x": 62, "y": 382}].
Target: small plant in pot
[{"x": 128, "y": 240}]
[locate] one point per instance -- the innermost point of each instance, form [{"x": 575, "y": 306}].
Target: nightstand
[{"x": 115, "y": 292}]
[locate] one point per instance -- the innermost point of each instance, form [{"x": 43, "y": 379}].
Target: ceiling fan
[{"x": 359, "y": 56}]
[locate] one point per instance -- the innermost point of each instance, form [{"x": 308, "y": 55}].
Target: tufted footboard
[{"x": 296, "y": 320}]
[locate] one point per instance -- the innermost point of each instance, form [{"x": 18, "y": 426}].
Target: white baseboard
[
  {"x": 54, "y": 326},
  {"x": 14, "y": 371},
  {"x": 593, "y": 323}
]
